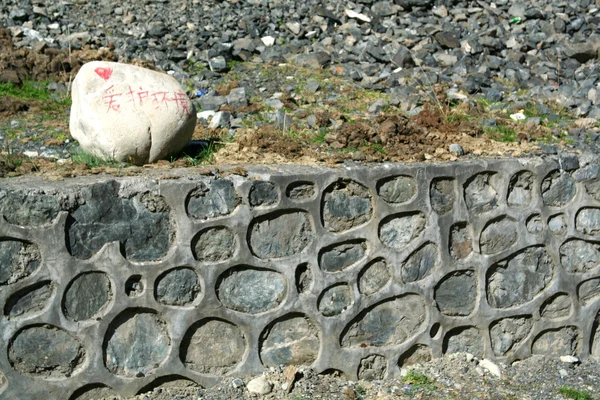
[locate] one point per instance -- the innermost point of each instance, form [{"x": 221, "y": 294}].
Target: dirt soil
[{"x": 389, "y": 136}]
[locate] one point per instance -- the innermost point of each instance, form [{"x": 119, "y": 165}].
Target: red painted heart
[{"x": 103, "y": 73}]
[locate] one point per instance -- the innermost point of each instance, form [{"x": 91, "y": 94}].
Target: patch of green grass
[
  {"x": 417, "y": 382},
  {"x": 93, "y": 161},
  {"x": 29, "y": 90},
  {"x": 575, "y": 394},
  {"x": 204, "y": 156},
  {"x": 502, "y": 133},
  {"x": 360, "y": 391},
  {"x": 319, "y": 138}
]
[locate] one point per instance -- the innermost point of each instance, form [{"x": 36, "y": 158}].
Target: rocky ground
[{"x": 325, "y": 82}]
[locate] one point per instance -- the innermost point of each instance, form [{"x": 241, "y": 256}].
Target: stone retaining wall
[{"x": 117, "y": 285}]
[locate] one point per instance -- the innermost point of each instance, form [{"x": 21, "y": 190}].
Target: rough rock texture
[
  {"x": 86, "y": 295},
  {"x": 128, "y": 113}
]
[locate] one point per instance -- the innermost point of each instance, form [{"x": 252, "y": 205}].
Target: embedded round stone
[
  {"x": 214, "y": 199},
  {"x": 263, "y": 193},
  {"x": 373, "y": 277},
  {"x": 137, "y": 343},
  {"x": 418, "y": 354},
  {"x": 499, "y": 235},
  {"x": 481, "y": 192},
  {"x": 301, "y": 191},
  {"x": 563, "y": 341},
  {"x": 45, "y": 351},
  {"x": 534, "y": 224},
  {"x": 420, "y": 263},
  {"x": 86, "y": 296},
  {"x": 213, "y": 347},
  {"x": 335, "y": 300},
  {"x": 338, "y": 257},
  {"x": 304, "y": 278},
  {"x": 251, "y": 290},
  {"x": 519, "y": 278},
  {"x": 391, "y": 322},
  {"x": 520, "y": 189},
  {"x": 17, "y": 260},
  {"x": 587, "y": 221},
  {"x": 290, "y": 341},
  {"x": 400, "y": 230},
  {"x": 557, "y": 306},
  {"x": 215, "y": 245},
  {"x": 278, "y": 235},
  {"x": 373, "y": 367},
  {"x": 141, "y": 224},
  {"x": 346, "y": 204},
  {"x": 461, "y": 245},
  {"x": 177, "y": 287},
  {"x": 456, "y": 294},
  {"x": 442, "y": 195},
  {"x": 589, "y": 290},
  {"x": 579, "y": 256},
  {"x": 464, "y": 340},
  {"x": 29, "y": 300},
  {"x": 29, "y": 208},
  {"x": 558, "y": 188},
  {"x": 557, "y": 224},
  {"x": 508, "y": 333},
  {"x": 398, "y": 190}
]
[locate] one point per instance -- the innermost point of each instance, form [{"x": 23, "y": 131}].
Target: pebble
[
  {"x": 570, "y": 359},
  {"x": 493, "y": 368},
  {"x": 237, "y": 383},
  {"x": 457, "y": 149},
  {"x": 259, "y": 385}
]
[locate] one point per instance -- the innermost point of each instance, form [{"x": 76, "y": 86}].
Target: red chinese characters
[{"x": 160, "y": 99}]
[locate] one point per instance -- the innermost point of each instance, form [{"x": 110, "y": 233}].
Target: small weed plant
[
  {"x": 417, "y": 382},
  {"x": 93, "y": 161},
  {"x": 572, "y": 393}
]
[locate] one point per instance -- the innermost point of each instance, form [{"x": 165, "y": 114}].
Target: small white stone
[
  {"x": 469, "y": 357},
  {"x": 355, "y": 15},
  {"x": 519, "y": 116},
  {"x": 493, "y": 368},
  {"x": 30, "y": 153},
  {"x": 569, "y": 359},
  {"x": 268, "y": 41},
  {"x": 259, "y": 385},
  {"x": 563, "y": 373},
  {"x": 205, "y": 115}
]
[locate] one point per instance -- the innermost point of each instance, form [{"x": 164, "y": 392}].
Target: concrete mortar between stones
[{"x": 361, "y": 269}]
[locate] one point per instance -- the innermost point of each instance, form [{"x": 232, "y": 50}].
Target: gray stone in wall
[
  {"x": 565, "y": 341},
  {"x": 280, "y": 235},
  {"x": 213, "y": 347},
  {"x": 335, "y": 300},
  {"x": 557, "y": 224},
  {"x": 589, "y": 290},
  {"x": 301, "y": 191},
  {"x": 137, "y": 343},
  {"x": 579, "y": 256},
  {"x": 250, "y": 290},
  {"x": 417, "y": 354},
  {"x": 558, "y": 188},
  {"x": 456, "y": 293},
  {"x": 294, "y": 340},
  {"x": 373, "y": 277},
  {"x": 140, "y": 224},
  {"x": 595, "y": 344},
  {"x": 508, "y": 333},
  {"x": 263, "y": 193},
  {"x": 461, "y": 243},
  {"x": 29, "y": 300},
  {"x": 520, "y": 189},
  {"x": 587, "y": 221},
  {"x": 391, "y": 322},
  {"x": 33, "y": 208},
  {"x": 373, "y": 367},
  {"x": 534, "y": 224},
  {"x": 304, "y": 278},
  {"x": 400, "y": 230},
  {"x": 217, "y": 199},
  {"x": 499, "y": 235},
  {"x": 340, "y": 256},
  {"x": 420, "y": 263},
  {"x": 346, "y": 205},
  {"x": 86, "y": 296},
  {"x": 46, "y": 352},
  {"x": 442, "y": 195},
  {"x": 557, "y": 306},
  {"x": 177, "y": 287},
  {"x": 17, "y": 260},
  {"x": 481, "y": 192},
  {"x": 464, "y": 340},
  {"x": 398, "y": 190},
  {"x": 518, "y": 279},
  {"x": 215, "y": 244}
]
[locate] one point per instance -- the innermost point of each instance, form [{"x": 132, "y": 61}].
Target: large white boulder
[{"x": 129, "y": 113}]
